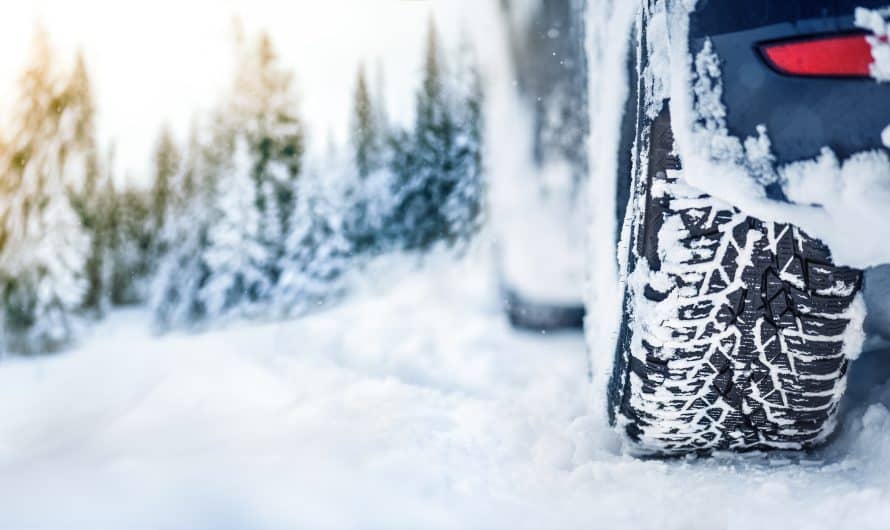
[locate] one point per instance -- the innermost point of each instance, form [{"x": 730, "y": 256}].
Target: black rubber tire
[
  {"x": 525, "y": 314},
  {"x": 733, "y": 330}
]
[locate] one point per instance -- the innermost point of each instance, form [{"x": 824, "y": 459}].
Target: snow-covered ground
[{"x": 410, "y": 406}]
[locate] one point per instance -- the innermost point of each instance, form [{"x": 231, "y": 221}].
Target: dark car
[
  {"x": 537, "y": 206},
  {"x": 737, "y": 328}
]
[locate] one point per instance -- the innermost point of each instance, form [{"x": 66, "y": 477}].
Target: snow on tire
[{"x": 736, "y": 333}]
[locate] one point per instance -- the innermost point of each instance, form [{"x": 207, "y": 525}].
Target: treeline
[{"x": 236, "y": 222}]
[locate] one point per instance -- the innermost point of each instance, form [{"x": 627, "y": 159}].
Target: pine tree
[
  {"x": 131, "y": 251},
  {"x": 379, "y": 103},
  {"x": 97, "y": 206},
  {"x": 166, "y": 165},
  {"x": 431, "y": 104},
  {"x": 263, "y": 106},
  {"x": 83, "y": 174},
  {"x": 235, "y": 256},
  {"x": 78, "y": 129},
  {"x": 364, "y": 193},
  {"x": 463, "y": 208},
  {"x": 225, "y": 241},
  {"x": 43, "y": 247},
  {"x": 270, "y": 202},
  {"x": 318, "y": 253},
  {"x": 365, "y": 132},
  {"x": 422, "y": 166},
  {"x": 108, "y": 238},
  {"x": 181, "y": 271},
  {"x": 438, "y": 169}
]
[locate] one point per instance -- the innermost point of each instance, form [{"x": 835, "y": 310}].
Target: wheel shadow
[
  {"x": 868, "y": 374},
  {"x": 868, "y": 385}
]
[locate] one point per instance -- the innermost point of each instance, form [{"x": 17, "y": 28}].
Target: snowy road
[{"x": 413, "y": 407}]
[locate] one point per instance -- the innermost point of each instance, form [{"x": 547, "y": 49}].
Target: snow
[
  {"x": 609, "y": 23},
  {"x": 853, "y": 195},
  {"x": 877, "y": 21},
  {"x": 411, "y": 406},
  {"x": 541, "y": 247}
]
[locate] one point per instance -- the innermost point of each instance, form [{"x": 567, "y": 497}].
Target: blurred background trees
[
  {"x": 236, "y": 221},
  {"x": 43, "y": 244}
]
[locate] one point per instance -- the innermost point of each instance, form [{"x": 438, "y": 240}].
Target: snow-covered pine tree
[
  {"x": 263, "y": 106},
  {"x": 423, "y": 167},
  {"x": 174, "y": 294},
  {"x": 101, "y": 267},
  {"x": 366, "y": 135},
  {"x": 78, "y": 128},
  {"x": 131, "y": 254},
  {"x": 438, "y": 188},
  {"x": 89, "y": 208},
  {"x": 381, "y": 111},
  {"x": 43, "y": 247},
  {"x": 261, "y": 109},
  {"x": 463, "y": 208},
  {"x": 318, "y": 253},
  {"x": 272, "y": 221},
  {"x": 235, "y": 256},
  {"x": 83, "y": 175},
  {"x": 402, "y": 168},
  {"x": 365, "y": 189},
  {"x": 166, "y": 161}
]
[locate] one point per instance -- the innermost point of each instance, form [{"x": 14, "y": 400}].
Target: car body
[{"x": 803, "y": 113}]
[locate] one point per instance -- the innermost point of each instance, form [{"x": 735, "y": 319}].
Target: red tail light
[{"x": 829, "y": 56}]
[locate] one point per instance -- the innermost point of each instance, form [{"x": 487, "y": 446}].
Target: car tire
[
  {"x": 525, "y": 314},
  {"x": 735, "y": 332}
]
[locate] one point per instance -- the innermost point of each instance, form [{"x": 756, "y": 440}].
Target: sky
[{"x": 160, "y": 61}]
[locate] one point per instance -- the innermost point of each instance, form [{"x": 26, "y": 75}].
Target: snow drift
[{"x": 412, "y": 408}]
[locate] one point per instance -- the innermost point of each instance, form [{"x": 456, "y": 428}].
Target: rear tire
[
  {"x": 735, "y": 332},
  {"x": 525, "y": 314}
]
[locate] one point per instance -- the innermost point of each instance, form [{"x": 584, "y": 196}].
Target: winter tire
[{"x": 734, "y": 330}]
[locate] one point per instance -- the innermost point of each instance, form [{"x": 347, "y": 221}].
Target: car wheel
[
  {"x": 735, "y": 331},
  {"x": 525, "y": 314}
]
